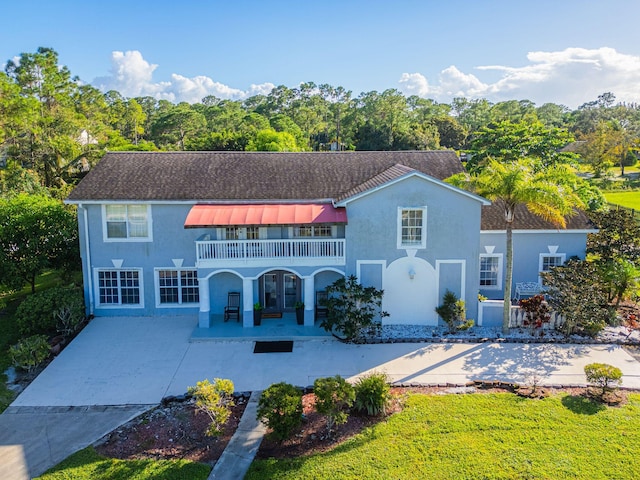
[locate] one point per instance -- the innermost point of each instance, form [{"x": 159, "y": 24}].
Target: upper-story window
[
  {"x": 127, "y": 223},
  {"x": 305, "y": 231},
  {"x": 242, "y": 233},
  {"x": 412, "y": 227}
]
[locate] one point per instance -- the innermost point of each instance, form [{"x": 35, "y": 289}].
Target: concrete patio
[{"x": 118, "y": 367}]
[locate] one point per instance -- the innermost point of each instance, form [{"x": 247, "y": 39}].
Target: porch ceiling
[{"x": 269, "y": 214}]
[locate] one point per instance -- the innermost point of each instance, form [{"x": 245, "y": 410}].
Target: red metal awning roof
[{"x": 278, "y": 214}]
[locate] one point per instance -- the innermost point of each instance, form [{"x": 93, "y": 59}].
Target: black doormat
[
  {"x": 271, "y": 314},
  {"x": 284, "y": 346}
]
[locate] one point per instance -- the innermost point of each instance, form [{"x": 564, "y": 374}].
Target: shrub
[
  {"x": 372, "y": 394},
  {"x": 352, "y": 309},
  {"x": 215, "y": 399},
  {"x": 280, "y": 408},
  {"x": 537, "y": 310},
  {"x": 453, "y": 312},
  {"x": 29, "y": 353},
  {"x": 576, "y": 291},
  {"x": 38, "y": 312},
  {"x": 333, "y": 396},
  {"x": 603, "y": 376}
]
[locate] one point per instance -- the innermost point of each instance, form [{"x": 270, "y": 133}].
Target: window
[
  {"x": 241, "y": 233},
  {"x": 119, "y": 287},
  {"x": 412, "y": 231},
  {"x": 550, "y": 260},
  {"x": 490, "y": 271},
  {"x": 126, "y": 222},
  {"x": 305, "y": 231},
  {"x": 177, "y": 287}
]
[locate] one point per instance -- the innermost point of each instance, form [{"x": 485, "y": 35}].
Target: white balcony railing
[{"x": 256, "y": 252}]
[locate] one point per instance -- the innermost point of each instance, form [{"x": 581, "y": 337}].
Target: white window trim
[
  {"x": 221, "y": 233},
  {"x": 180, "y": 304},
  {"x": 148, "y": 238},
  {"x": 292, "y": 230},
  {"x": 498, "y": 286},
  {"x": 423, "y": 243},
  {"x": 561, "y": 256},
  {"x": 96, "y": 283}
]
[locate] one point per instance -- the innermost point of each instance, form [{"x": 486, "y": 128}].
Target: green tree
[
  {"x": 545, "y": 193},
  {"x": 272, "y": 141},
  {"x": 509, "y": 142},
  {"x": 48, "y": 143},
  {"x": 575, "y": 291},
  {"x": 176, "y": 124},
  {"x": 15, "y": 180},
  {"x": 352, "y": 309},
  {"x": 597, "y": 149},
  {"x": 36, "y": 233},
  {"x": 617, "y": 238}
]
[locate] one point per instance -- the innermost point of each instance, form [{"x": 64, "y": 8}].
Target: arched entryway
[{"x": 279, "y": 291}]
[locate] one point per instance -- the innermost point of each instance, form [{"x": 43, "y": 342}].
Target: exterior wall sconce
[{"x": 412, "y": 273}]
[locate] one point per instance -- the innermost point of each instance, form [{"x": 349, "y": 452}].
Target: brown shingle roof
[
  {"x": 493, "y": 219},
  {"x": 243, "y": 176}
]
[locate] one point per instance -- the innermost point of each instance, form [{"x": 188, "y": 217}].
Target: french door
[{"x": 280, "y": 291}]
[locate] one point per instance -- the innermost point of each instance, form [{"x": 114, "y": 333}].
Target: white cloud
[
  {"x": 415, "y": 84},
  {"x": 132, "y": 76},
  {"x": 571, "y": 77}
]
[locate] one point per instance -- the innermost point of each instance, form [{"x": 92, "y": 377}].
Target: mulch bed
[{"x": 176, "y": 430}]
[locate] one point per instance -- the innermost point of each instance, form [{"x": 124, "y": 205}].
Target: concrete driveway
[
  {"x": 118, "y": 367},
  {"x": 118, "y": 361}
]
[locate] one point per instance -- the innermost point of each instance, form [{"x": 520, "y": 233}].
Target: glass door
[
  {"x": 270, "y": 289},
  {"x": 290, "y": 290}
]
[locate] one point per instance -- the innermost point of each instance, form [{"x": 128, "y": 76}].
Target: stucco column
[
  {"x": 247, "y": 307},
  {"x": 309, "y": 300},
  {"x": 204, "y": 316}
]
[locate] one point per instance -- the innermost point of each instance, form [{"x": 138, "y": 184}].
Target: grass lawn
[
  {"x": 629, "y": 199},
  {"x": 490, "y": 436},
  {"x": 87, "y": 464}
]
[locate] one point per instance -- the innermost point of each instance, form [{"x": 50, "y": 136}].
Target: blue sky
[{"x": 562, "y": 51}]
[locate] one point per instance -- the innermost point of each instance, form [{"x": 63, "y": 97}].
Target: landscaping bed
[{"x": 176, "y": 430}]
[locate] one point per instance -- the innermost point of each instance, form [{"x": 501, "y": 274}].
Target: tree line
[{"x": 57, "y": 126}]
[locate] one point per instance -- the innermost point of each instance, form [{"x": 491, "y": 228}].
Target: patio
[{"x": 284, "y": 328}]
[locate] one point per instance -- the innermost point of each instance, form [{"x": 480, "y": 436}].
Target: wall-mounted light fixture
[{"x": 412, "y": 273}]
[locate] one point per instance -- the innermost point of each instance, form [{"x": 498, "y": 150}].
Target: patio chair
[
  {"x": 232, "y": 310},
  {"x": 321, "y": 308}
]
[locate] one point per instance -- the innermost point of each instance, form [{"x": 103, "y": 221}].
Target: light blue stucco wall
[
  {"x": 170, "y": 241},
  {"x": 527, "y": 247},
  {"x": 450, "y": 256}
]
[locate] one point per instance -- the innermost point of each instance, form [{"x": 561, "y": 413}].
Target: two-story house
[{"x": 176, "y": 232}]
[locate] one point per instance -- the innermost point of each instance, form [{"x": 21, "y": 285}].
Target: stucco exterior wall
[
  {"x": 527, "y": 248},
  {"x": 450, "y": 259},
  {"x": 171, "y": 241}
]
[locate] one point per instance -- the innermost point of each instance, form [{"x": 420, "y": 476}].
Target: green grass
[
  {"x": 492, "y": 436},
  {"x": 628, "y": 199},
  {"x": 87, "y": 464}
]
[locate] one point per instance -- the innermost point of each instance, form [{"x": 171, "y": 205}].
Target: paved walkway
[{"x": 138, "y": 361}]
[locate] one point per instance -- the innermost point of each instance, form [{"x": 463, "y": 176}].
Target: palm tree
[{"x": 546, "y": 193}]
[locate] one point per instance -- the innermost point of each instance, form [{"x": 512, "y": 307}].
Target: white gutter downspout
[{"x": 88, "y": 257}]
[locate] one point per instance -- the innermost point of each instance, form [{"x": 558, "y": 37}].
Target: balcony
[{"x": 270, "y": 253}]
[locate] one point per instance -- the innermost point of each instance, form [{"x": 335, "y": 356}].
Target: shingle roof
[
  {"x": 274, "y": 176},
  {"x": 246, "y": 176},
  {"x": 493, "y": 219}
]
